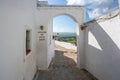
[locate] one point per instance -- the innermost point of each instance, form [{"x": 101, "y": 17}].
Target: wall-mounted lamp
[
  {"x": 41, "y": 27},
  {"x": 82, "y": 27}
]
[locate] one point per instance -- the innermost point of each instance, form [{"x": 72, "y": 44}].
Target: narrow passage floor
[{"x": 63, "y": 67}]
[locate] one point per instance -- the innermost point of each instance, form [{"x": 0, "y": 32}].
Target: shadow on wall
[{"x": 102, "y": 56}]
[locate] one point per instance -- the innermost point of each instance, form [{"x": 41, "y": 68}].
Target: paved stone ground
[{"x": 63, "y": 68}]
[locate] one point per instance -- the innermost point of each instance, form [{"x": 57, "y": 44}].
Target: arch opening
[{"x": 65, "y": 35}]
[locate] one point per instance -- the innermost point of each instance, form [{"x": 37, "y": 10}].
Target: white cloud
[
  {"x": 80, "y": 2},
  {"x": 76, "y": 2},
  {"x": 95, "y": 8}
]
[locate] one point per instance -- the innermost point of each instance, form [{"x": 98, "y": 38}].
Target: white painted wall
[
  {"x": 15, "y": 17},
  {"x": 42, "y": 48},
  {"x": 44, "y": 16},
  {"x": 50, "y": 42},
  {"x": 102, "y": 48}
]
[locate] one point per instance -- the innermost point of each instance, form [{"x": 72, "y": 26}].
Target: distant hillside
[
  {"x": 66, "y": 37},
  {"x": 65, "y": 34}
]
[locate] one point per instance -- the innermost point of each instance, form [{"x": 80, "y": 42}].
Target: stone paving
[{"x": 63, "y": 68}]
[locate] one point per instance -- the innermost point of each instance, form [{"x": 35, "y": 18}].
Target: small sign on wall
[{"x": 42, "y": 33}]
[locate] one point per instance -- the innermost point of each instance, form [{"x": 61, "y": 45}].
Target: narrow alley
[{"x": 64, "y": 67}]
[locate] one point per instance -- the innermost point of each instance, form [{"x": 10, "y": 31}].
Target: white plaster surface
[
  {"x": 15, "y": 17},
  {"x": 102, "y": 48},
  {"x": 100, "y": 55},
  {"x": 44, "y": 16}
]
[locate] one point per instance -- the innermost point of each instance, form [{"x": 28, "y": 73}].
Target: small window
[{"x": 28, "y": 42}]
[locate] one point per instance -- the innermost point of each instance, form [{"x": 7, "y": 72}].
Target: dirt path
[
  {"x": 67, "y": 52},
  {"x": 63, "y": 67}
]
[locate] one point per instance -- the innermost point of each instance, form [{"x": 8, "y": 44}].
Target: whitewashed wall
[
  {"x": 42, "y": 47},
  {"x": 15, "y": 17},
  {"x": 44, "y": 16},
  {"x": 102, "y": 48},
  {"x": 50, "y": 42}
]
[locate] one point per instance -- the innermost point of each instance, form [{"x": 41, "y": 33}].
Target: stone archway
[{"x": 44, "y": 17}]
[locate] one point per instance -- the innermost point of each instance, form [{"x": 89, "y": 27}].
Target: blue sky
[
  {"x": 64, "y": 24},
  {"x": 94, "y": 9}
]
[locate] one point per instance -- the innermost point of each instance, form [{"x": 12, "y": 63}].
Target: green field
[{"x": 66, "y": 37}]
